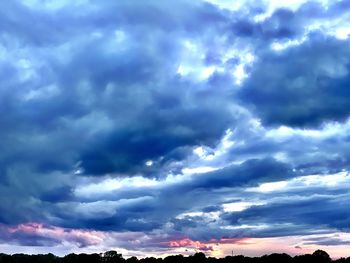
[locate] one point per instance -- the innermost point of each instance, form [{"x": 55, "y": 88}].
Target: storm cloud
[{"x": 174, "y": 123}]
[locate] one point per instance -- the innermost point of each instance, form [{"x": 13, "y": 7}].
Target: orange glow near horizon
[{"x": 292, "y": 245}]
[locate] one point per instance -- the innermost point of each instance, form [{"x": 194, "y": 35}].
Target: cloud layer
[{"x": 186, "y": 124}]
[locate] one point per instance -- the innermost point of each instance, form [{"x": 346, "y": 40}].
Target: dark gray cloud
[
  {"x": 131, "y": 84},
  {"x": 146, "y": 209},
  {"x": 302, "y": 86},
  {"x": 250, "y": 172},
  {"x": 313, "y": 212},
  {"x": 326, "y": 241}
]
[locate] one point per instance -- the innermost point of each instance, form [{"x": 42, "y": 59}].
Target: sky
[{"x": 162, "y": 127}]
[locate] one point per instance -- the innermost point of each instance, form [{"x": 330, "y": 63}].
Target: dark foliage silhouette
[{"x": 319, "y": 256}]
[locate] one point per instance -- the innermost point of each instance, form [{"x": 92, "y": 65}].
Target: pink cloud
[
  {"x": 186, "y": 242},
  {"x": 201, "y": 245},
  {"x": 79, "y": 237}
]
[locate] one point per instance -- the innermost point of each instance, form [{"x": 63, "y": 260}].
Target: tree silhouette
[
  {"x": 322, "y": 256},
  {"x": 319, "y": 256},
  {"x": 112, "y": 257}
]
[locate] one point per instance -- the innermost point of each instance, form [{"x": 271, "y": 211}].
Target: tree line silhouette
[{"x": 319, "y": 256}]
